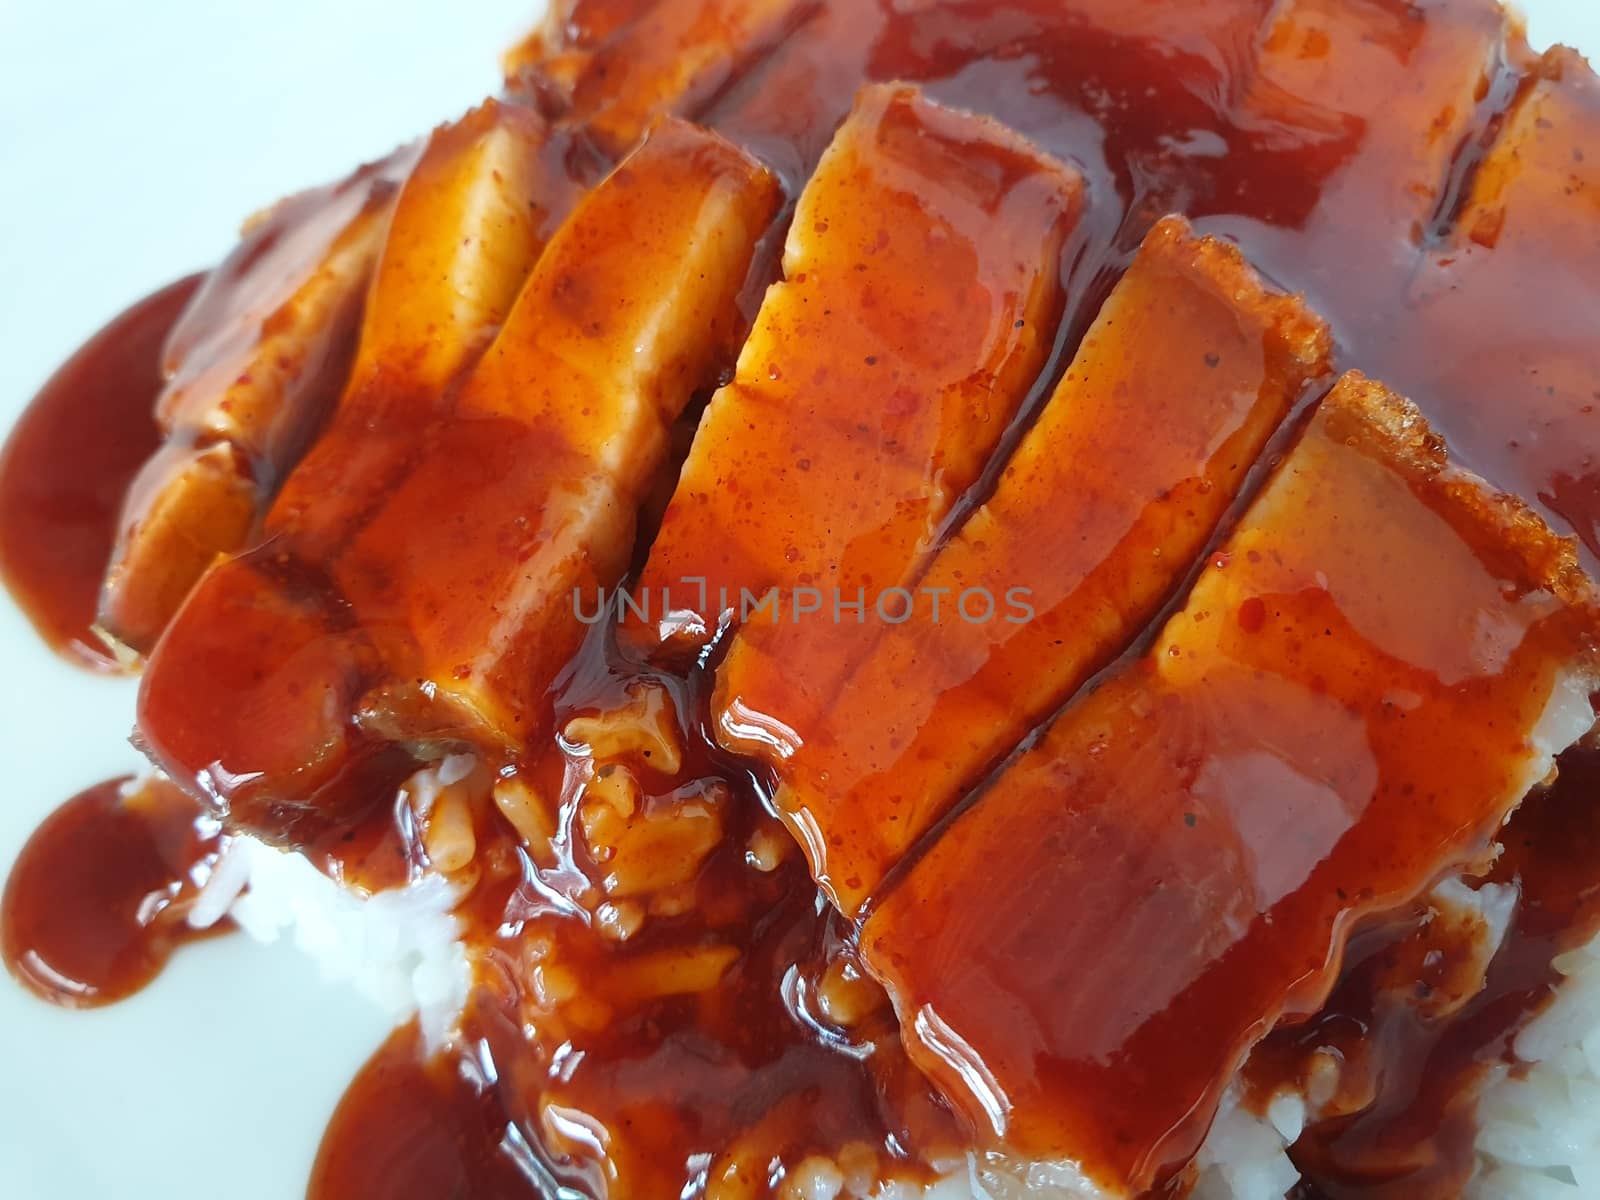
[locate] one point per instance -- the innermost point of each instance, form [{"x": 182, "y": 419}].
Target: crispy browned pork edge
[{"x": 1519, "y": 543}]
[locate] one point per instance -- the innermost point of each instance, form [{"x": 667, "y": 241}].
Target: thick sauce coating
[
  {"x": 921, "y": 284},
  {"x": 447, "y": 609},
  {"x": 1186, "y": 373},
  {"x": 1367, "y": 678},
  {"x": 1364, "y": 682},
  {"x": 251, "y": 372},
  {"x": 1522, "y": 266}
]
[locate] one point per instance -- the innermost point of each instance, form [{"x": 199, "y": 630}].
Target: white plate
[{"x": 133, "y": 137}]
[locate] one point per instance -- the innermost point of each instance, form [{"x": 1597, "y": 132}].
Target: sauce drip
[
  {"x": 66, "y": 466},
  {"x": 98, "y": 900}
]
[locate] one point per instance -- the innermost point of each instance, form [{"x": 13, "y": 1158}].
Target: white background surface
[{"x": 133, "y": 138}]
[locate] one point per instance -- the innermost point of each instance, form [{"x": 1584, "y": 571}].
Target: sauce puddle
[
  {"x": 67, "y": 464},
  {"x": 412, "y": 1127},
  {"x": 98, "y": 900}
]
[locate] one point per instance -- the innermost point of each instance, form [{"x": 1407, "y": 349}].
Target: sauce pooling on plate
[
  {"x": 98, "y": 900},
  {"x": 413, "y": 1128},
  {"x": 67, "y": 464}
]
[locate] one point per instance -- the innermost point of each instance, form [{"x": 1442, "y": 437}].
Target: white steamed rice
[{"x": 1539, "y": 1133}]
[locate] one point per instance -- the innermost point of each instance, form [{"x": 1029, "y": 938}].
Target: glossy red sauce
[
  {"x": 67, "y": 463},
  {"x": 411, "y": 1126},
  {"x": 1341, "y": 169},
  {"x": 1183, "y": 843},
  {"x": 1414, "y": 1074},
  {"x": 677, "y": 1085},
  {"x": 98, "y": 899}
]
